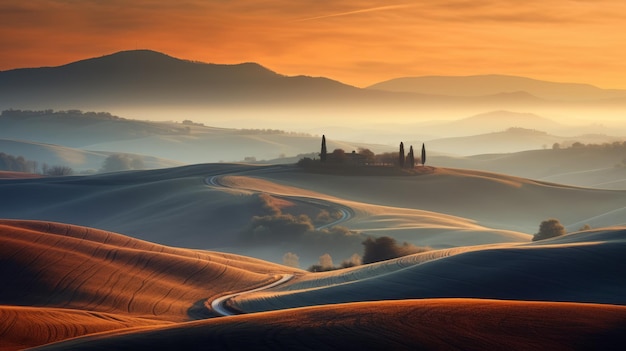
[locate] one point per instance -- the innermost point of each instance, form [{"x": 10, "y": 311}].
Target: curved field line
[
  {"x": 346, "y": 212},
  {"x": 219, "y": 305}
]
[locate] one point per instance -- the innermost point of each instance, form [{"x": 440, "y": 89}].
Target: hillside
[
  {"x": 565, "y": 269},
  {"x": 100, "y": 133},
  {"x": 84, "y": 280},
  {"x": 199, "y": 203},
  {"x": 428, "y": 324},
  {"x": 597, "y": 166},
  {"x": 115, "y": 292},
  {"x": 512, "y": 140},
  {"x": 81, "y": 161}
]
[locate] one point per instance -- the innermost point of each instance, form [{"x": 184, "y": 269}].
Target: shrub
[
  {"x": 386, "y": 248},
  {"x": 59, "y": 171},
  {"x": 549, "y": 228}
]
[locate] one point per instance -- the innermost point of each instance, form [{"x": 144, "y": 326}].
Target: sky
[{"x": 356, "y": 42}]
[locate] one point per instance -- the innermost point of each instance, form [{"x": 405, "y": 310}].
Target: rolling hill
[
  {"x": 442, "y": 208},
  {"x": 82, "y": 288},
  {"x": 512, "y": 140},
  {"x": 595, "y": 166},
  {"x": 100, "y": 133},
  {"x": 83, "y": 280},
  {"x": 81, "y": 161}
]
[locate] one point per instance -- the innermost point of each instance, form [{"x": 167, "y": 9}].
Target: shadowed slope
[
  {"x": 581, "y": 267},
  {"x": 168, "y": 206},
  {"x": 392, "y": 325}
]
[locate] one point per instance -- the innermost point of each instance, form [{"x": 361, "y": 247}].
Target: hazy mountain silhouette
[
  {"x": 144, "y": 77},
  {"x": 149, "y": 84},
  {"x": 514, "y": 139},
  {"x": 500, "y": 120},
  {"x": 481, "y": 85}
]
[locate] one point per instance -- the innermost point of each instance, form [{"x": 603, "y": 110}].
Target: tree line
[
  {"x": 59, "y": 114},
  {"x": 112, "y": 163},
  {"x": 365, "y": 157},
  {"x": 20, "y": 164}
]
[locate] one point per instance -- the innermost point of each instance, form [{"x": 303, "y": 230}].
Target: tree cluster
[
  {"x": 20, "y": 164},
  {"x": 614, "y": 146},
  {"x": 386, "y": 248},
  {"x": 16, "y": 164},
  {"x": 550, "y": 228},
  {"x": 122, "y": 162},
  {"x": 366, "y": 157}
]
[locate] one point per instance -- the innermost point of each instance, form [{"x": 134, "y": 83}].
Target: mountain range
[
  {"x": 151, "y": 80},
  {"x": 483, "y": 85},
  {"x": 144, "y": 77}
]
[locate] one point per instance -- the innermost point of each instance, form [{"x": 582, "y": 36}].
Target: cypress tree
[
  {"x": 411, "y": 158},
  {"x": 401, "y": 156},
  {"x": 323, "y": 152},
  {"x": 423, "y": 155}
]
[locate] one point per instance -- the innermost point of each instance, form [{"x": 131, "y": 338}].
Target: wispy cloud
[{"x": 355, "y": 12}]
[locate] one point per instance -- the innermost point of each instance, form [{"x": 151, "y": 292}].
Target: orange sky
[{"x": 356, "y": 42}]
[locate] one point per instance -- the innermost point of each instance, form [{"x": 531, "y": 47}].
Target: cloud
[{"x": 355, "y": 12}]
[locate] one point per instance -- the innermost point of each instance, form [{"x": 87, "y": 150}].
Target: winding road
[{"x": 218, "y": 305}]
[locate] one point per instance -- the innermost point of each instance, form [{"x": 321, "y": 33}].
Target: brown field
[
  {"x": 96, "y": 280},
  {"x": 435, "y": 324}
]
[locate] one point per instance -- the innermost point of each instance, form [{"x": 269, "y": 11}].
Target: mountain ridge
[
  {"x": 150, "y": 77},
  {"x": 490, "y": 84}
]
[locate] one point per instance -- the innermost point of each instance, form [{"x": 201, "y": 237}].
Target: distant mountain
[
  {"x": 501, "y": 120},
  {"x": 482, "y": 85},
  {"x": 144, "y": 77},
  {"x": 495, "y": 121},
  {"x": 149, "y": 85}
]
